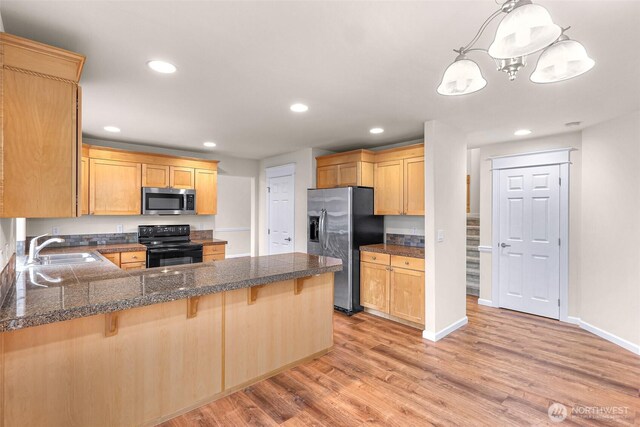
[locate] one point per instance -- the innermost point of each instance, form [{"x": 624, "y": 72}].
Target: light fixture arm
[{"x": 483, "y": 27}]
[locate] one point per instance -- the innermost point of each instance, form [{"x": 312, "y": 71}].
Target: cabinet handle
[
  {"x": 373, "y": 258},
  {"x": 406, "y": 263}
]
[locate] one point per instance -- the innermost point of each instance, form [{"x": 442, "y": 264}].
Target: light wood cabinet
[
  {"x": 115, "y": 187},
  {"x": 407, "y": 294},
  {"x": 141, "y": 265},
  {"x": 206, "y": 185},
  {"x": 116, "y": 196},
  {"x": 393, "y": 286},
  {"x": 399, "y": 181},
  {"x": 327, "y": 177},
  {"x": 213, "y": 252},
  {"x": 374, "y": 286},
  {"x": 39, "y": 130},
  {"x": 181, "y": 177},
  {"x": 414, "y": 186},
  {"x": 353, "y": 168},
  {"x": 113, "y": 257},
  {"x": 389, "y": 188},
  {"x": 84, "y": 186},
  {"x": 155, "y": 176}
]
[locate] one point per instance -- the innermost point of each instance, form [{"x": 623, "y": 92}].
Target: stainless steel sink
[{"x": 72, "y": 258}]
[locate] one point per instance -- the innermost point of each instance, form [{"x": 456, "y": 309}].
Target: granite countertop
[
  {"x": 48, "y": 294},
  {"x": 383, "y": 248},
  {"x": 208, "y": 242}
]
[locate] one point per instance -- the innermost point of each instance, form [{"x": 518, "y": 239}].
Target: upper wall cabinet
[
  {"x": 399, "y": 181},
  {"x": 353, "y": 168},
  {"x": 40, "y": 132},
  {"x": 116, "y": 178}
]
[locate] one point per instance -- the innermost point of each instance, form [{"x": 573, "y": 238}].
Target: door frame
[
  {"x": 276, "y": 172},
  {"x": 561, "y": 158}
]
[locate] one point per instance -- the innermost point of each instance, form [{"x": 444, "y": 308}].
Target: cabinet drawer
[
  {"x": 213, "y": 249},
  {"x": 138, "y": 256},
  {"x": 114, "y": 258},
  {"x": 133, "y": 266},
  {"x": 407, "y": 262},
  {"x": 375, "y": 258},
  {"x": 214, "y": 257}
]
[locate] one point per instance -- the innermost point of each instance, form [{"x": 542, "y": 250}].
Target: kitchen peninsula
[{"x": 90, "y": 344}]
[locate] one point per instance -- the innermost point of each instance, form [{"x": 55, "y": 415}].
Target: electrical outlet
[
  {"x": 119, "y": 228},
  {"x": 55, "y": 231}
]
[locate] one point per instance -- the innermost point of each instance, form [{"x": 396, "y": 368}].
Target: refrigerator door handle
[{"x": 323, "y": 229}]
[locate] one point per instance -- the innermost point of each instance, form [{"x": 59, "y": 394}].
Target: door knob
[
  {"x": 288, "y": 239},
  {"x": 504, "y": 245}
]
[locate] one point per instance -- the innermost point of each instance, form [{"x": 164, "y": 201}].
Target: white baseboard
[
  {"x": 628, "y": 345},
  {"x": 237, "y": 255},
  {"x": 486, "y": 302},
  {"x": 446, "y": 331},
  {"x": 573, "y": 320}
]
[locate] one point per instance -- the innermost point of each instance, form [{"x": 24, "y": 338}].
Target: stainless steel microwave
[{"x": 168, "y": 201}]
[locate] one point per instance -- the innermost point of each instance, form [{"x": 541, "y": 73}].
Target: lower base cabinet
[
  {"x": 395, "y": 291},
  {"x": 145, "y": 365}
]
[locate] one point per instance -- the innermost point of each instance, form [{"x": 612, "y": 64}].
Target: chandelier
[{"x": 525, "y": 29}]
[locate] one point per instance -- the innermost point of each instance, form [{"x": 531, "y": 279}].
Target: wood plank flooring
[{"x": 503, "y": 368}]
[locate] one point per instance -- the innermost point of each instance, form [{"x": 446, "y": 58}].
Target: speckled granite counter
[
  {"x": 382, "y": 248},
  {"x": 103, "y": 249},
  {"x": 208, "y": 242},
  {"x": 47, "y": 294}
]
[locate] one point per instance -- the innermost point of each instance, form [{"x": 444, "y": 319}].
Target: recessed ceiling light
[
  {"x": 522, "y": 132},
  {"x": 298, "y": 108},
  {"x": 162, "y": 67},
  {"x": 112, "y": 129},
  {"x": 376, "y": 130},
  {"x": 209, "y": 144}
]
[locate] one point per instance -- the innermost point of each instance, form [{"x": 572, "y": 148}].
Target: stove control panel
[{"x": 163, "y": 230}]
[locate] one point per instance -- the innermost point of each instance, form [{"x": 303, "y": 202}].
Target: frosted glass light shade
[
  {"x": 562, "y": 61},
  {"x": 525, "y": 30},
  {"x": 461, "y": 77}
]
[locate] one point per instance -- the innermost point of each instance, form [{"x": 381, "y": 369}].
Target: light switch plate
[
  {"x": 119, "y": 228},
  {"x": 440, "y": 236}
]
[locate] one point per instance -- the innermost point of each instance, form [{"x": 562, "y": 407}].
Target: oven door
[
  {"x": 163, "y": 257},
  {"x": 167, "y": 201}
]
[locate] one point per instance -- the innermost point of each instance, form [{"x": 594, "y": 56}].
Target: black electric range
[{"x": 169, "y": 245}]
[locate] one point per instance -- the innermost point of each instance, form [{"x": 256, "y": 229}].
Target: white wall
[
  {"x": 228, "y": 166},
  {"x": 523, "y": 146},
  {"x": 473, "y": 170},
  {"x": 445, "y": 207},
  {"x": 236, "y": 206},
  {"x": 404, "y": 224},
  {"x": 610, "y": 280},
  {"x": 305, "y": 178},
  {"x": 7, "y": 240}
]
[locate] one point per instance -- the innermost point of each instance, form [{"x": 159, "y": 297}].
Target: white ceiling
[{"x": 356, "y": 64}]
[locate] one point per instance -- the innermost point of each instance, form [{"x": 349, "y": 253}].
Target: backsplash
[
  {"x": 89, "y": 239},
  {"x": 405, "y": 240},
  {"x": 7, "y": 278},
  {"x": 109, "y": 238}
]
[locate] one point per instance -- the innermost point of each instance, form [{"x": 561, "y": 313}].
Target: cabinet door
[
  {"x": 181, "y": 177},
  {"x": 348, "y": 174},
  {"x": 206, "y": 192},
  {"x": 39, "y": 147},
  {"x": 388, "y": 188},
  {"x": 327, "y": 177},
  {"x": 374, "y": 286},
  {"x": 407, "y": 295},
  {"x": 84, "y": 186},
  {"x": 414, "y": 186},
  {"x": 115, "y": 187},
  {"x": 133, "y": 266},
  {"x": 114, "y": 258},
  {"x": 155, "y": 176}
]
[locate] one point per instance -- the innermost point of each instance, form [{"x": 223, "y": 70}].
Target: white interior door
[
  {"x": 281, "y": 214},
  {"x": 530, "y": 240}
]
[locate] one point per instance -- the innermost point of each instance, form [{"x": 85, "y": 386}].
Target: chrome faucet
[{"x": 34, "y": 248}]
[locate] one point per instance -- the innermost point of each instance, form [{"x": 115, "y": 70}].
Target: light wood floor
[{"x": 503, "y": 368}]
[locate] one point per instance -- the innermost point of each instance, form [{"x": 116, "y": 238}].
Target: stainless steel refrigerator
[{"x": 339, "y": 221}]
